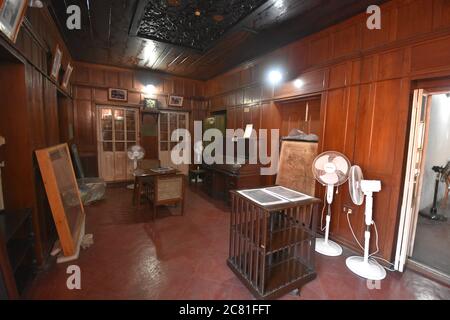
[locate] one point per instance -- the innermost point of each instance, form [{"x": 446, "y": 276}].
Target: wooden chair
[
  {"x": 144, "y": 164},
  {"x": 166, "y": 190}
]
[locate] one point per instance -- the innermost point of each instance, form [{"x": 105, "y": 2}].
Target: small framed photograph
[
  {"x": 56, "y": 65},
  {"x": 175, "y": 101},
  {"x": 118, "y": 95},
  {"x": 66, "y": 78},
  {"x": 11, "y": 17},
  {"x": 150, "y": 104}
]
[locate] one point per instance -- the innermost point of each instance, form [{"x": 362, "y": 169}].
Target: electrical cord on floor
[
  {"x": 372, "y": 255},
  {"x": 353, "y": 233},
  {"x": 392, "y": 268}
]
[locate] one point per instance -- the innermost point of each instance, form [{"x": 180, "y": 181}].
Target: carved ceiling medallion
[{"x": 193, "y": 24}]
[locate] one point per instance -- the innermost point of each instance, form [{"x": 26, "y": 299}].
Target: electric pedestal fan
[
  {"x": 135, "y": 153},
  {"x": 331, "y": 170},
  {"x": 365, "y": 267}
]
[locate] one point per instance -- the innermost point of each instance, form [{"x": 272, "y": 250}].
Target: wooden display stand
[{"x": 272, "y": 247}]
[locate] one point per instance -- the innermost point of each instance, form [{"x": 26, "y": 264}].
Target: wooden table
[
  {"x": 140, "y": 176},
  {"x": 272, "y": 247}
]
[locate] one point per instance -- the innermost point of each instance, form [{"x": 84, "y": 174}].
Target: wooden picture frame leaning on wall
[
  {"x": 56, "y": 64},
  {"x": 12, "y": 13},
  {"x": 66, "y": 78},
  {"x": 63, "y": 196}
]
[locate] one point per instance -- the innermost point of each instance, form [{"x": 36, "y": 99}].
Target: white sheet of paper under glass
[
  {"x": 262, "y": 197},
  {"x": 287, "y": 193}
]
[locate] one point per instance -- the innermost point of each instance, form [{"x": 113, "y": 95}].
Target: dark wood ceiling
[{"x": 121, "y": 32}]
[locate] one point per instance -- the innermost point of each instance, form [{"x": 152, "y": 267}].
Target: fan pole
[
  {"x": 324, "y": 245},
  {"x": 327, "y": 224},
  {"x": 368, "y": 219}
]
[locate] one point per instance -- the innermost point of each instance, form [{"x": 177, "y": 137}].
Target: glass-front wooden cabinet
[{"x": 117, "y": 130}]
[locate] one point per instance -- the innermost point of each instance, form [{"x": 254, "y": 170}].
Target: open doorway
[{"x": 425, "y": 222}]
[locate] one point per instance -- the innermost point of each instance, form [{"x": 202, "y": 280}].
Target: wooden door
[
  {"x": 117, "y": 131},
  {"x": 169, "y": 121}
]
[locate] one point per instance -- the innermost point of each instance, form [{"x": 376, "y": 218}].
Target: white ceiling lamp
[
  {"x": 36, "y": 4},
  {"x": 365, "y": 266},
  {"x": 275, "y": 77},
  {"x": 331, "y": 170},
  {"x": 149, "y": 89},
  {"x": 298, "y": 83}
]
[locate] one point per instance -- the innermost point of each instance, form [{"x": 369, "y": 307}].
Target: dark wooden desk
[
  {"x": 272, "y": 247},
  {"x": 220, "y": 179},
  {"x": 140, "y": 175}
]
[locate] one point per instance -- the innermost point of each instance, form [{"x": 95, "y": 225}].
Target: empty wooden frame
[{"x": 63, "y": 195}]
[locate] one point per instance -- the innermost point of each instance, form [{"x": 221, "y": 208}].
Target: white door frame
[{"x": 413, "y": 180}]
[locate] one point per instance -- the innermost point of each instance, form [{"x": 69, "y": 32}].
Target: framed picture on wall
[
  {"x": 66, "y": 78},
  {"x": 175, "y": 101},
  {"x": 118, "y": 95},
  {"x": 11, "y": 17},
  {"x": 150, "y": 104},
  {"x": 56, "y": 65}
]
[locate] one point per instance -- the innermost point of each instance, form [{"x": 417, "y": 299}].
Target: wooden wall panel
[
  {"x": 84, "y": 123},
  {"x": 391, "y": 64},
  {"x": 346, "y": 40},
  {"x": 313, "y": 82},
  {"x": 441, "y": 14},
  {"x": 51, "y": 113},
  {"x": 319, "y": 50},
  {"x": 35, "y": 86},
  {"x": 414, "y": 18},
  {"x": 339, "y": 75},
  {"x": 431, "y": 55},
  {"x": 66, "y": 122}
]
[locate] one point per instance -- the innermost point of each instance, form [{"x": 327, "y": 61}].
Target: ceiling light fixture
[
  {"x": 279, "y": 4},
  {"x": 149, "y": 89},
  {"x": 275, "y": 77},
  {"x": 149, "y": 51},
  {"x": 298, "y": 83},
  {"x": 35, "y": 4}
]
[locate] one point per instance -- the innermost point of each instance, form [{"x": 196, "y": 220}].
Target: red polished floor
[{"x": 184, "y": 258}]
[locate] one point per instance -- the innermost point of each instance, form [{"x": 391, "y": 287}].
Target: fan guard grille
[{"x": 331, "y": 168}]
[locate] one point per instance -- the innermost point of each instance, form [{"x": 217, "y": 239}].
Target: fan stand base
[
  {"x": 371, "y": 270},
  {"x": 331, "y": 249}
]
